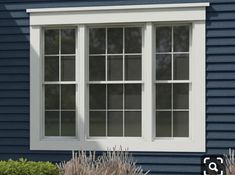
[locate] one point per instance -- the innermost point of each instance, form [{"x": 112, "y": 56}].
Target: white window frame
[{"x": 82, "y": 17}]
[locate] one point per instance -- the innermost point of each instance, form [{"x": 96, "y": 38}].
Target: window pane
[
  {"x": 115, "y": 96},
  {"x": 97, "y": 40},
  {"x": 115, "y": 123},
  {"x": 51, "y": 96},
  {"x": 163, "y": 96},
  {"x": 68, "y": 123},
  {"x": 133, "y": 96},
  {"x": 163, "y": 39},
  {"x": 52, "y": 41},
  {"x": 52, "y": 123},
  {"x": 68, "y": 68},
  {"x": 97, "y": 68},
  {"x": 97, "y": 123},
  {"x": 115, "y": 68},
  {"x": 133, "y": 39},
  {"x": 68, "y": 41},
  {"x": 181, "y": 38},
  {"x": 163, "y": 67},
  {"x": 163, "y": 124},
  {"x": 115, "y": 40},
  {"x": 68, "y": 96},
  {"x": 51, "y": 68},
  {"x": 133, "y": 67},
  {"x": 181, "y": 67},
  {"x": 97, "y": 96},
  {"x": 180, "y": 124},
  {"x": 181, "y": 96},
  {"x": 133, "y": 124}
]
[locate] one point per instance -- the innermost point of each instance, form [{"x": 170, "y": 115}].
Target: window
[
  {"x": 115, "y": 81},
  {"x": 59, "y": 82},
  {"x": 172, "y": 80},
  {"x": 122, "y": 75}
]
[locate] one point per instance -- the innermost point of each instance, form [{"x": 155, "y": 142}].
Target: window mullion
[
  {"x": 82, "y": 77},
  {"x": 148, "y": 77}
]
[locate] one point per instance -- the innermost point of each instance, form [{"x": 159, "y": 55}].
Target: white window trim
[{"x": 193, "y": 13}]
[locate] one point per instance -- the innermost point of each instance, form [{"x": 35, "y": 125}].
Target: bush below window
[{"x": 24, "y": 167}]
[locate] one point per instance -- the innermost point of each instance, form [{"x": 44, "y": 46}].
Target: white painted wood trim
[
  {"x": 119, "y": 7},
  {"x": 118, "y": 14}
]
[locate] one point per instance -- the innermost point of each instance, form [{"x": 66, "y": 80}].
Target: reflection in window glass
[
  {"x": 51, "y": 68},
  {"x": 97, "y": 124},
  {"x": 163, "y": 67},
  {"x": 115, "y": 40},
  {"x": 133, "y": 67},
  {"x": 181, "y": 67},
  {"x": 97, "y": 40},
  {"x": 163, "y": 124},
  {"x": 68, "y": 68},
  {"x": 115, "y": 124},
  {"x": 132, "y": 124},
  {"x": 181, "y": 124},
  {"x": 97, "y": 68},
  {"x": 115, "y": 68},
  {"x": 68, "y": 41},
  {"x": 51, "y": 41}
]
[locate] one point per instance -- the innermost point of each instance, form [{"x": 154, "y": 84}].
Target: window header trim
[
  {"x": 119, "y": 7},
  {"x": 118, "y": 14}
]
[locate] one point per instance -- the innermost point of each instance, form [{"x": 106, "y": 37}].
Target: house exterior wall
[{"x": 220, "y": 84}]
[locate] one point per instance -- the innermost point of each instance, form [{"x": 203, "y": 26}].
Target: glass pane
[
  {"x": 97, "y": 68},
  {"x": 115, "y": 40},
  {"x": 97, "y": 123},
  {"x": 133, "y": 67},
  {"x": 52, "y": 96},
  {"x": 163, "y": 39},
  {"x": 97, "y": 96},
  {"x": 163, "y": 67},
  {"x": 133, "y": 39},
  {"x": 115, "y": 123},
  {"x": 181, "y": 67},
  {"x": 68, "y": 41},
  {"x": 68, "y": 123},
  {"x": 52, "y": 123},
  {"x": 52, "y": 41},
  {"x": 68, "y": 96},
  {"x": 68, "y": 68},
  {"x": 163, "y": 124},
  {"x": 133, "y": 96},
  {"x": 115, "y": 68},
  {"x": 133, "y": 124},
  {"x": 180, "y": 124},
  {"x": 97, "y": 40},
  {"x": 51, "y": 69},
  {"x": 181, "y": 38},
  {"x": 163, "y": 96},
  {"x": 115, "y": 96},
  {"x": 181, "y": 96}
]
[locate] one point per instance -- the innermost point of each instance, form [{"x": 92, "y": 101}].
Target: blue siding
[{"x": 14, "y": 84}]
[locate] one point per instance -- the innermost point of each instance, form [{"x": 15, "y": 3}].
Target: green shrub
[{"x": 24, "y": 167}]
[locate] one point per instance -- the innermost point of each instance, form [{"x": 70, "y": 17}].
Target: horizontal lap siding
[{"x": 14, "y": 84}]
